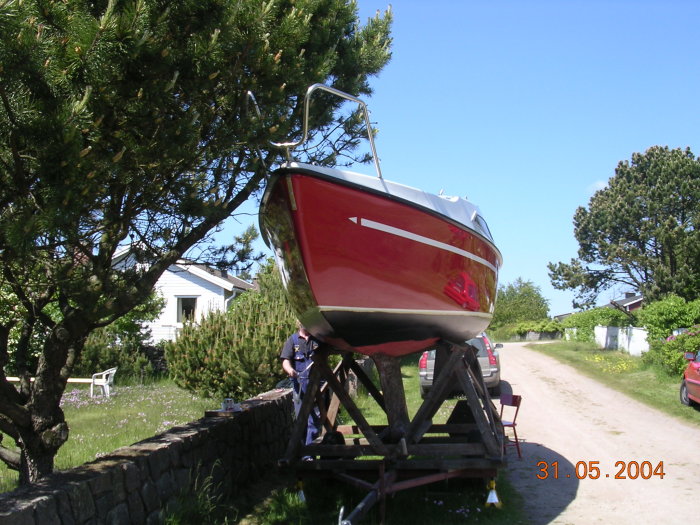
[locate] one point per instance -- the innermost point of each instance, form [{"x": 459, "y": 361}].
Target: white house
[{"x": 190, "y": 291}]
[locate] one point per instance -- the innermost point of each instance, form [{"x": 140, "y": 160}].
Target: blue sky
[{"x": 526, "y": 107}]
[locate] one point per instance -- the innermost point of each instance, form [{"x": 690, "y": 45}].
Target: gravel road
[{"x": 570, "y": 419}]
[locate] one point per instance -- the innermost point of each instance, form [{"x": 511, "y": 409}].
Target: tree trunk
[
  {"x": 35, "y": 465},
  {"x": 39, "y": 444},
  {"x": 389, "y": 369},
  {"x": 45, "y": 431}
]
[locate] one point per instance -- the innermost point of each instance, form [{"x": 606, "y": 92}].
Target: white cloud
[{"x": 597, "y": 185}]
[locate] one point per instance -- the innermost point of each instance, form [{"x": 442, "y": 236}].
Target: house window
[{"x": 186, "y": 308}]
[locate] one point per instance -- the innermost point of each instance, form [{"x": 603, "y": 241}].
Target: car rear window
[{"x": 479, "y": 344}]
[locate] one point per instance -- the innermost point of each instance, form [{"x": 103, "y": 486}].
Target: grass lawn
[
  {"x": 100, "y": 425},
  {"x": 625, "y": 373}
]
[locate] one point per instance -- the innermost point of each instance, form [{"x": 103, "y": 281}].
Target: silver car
[{"x": 489, "y": 362}]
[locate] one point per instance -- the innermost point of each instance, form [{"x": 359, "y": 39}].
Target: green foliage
[
  {"x": 545, "y": 326},
  {"x": 103, "y": 350},
  {"x": 100, "y": 425},
  {"x": 236, "y": 353},
  {"x": 660, "y": 318},
  {"x": 121, "y": 344},
  {"x": 668, "y": 354},
  {"x": 640, "y": 231},
  {"x": 585, "y": 322},
  {"x": 128, "y": 124},
  {"x": 519, "y": 301}
]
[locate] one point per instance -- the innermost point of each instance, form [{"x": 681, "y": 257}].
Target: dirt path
[{"x": 568, "y": 418}]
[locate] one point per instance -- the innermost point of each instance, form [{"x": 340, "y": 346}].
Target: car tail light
[
  {"x": 423, "y": 361},
  {"x": 492, "y": 358}
]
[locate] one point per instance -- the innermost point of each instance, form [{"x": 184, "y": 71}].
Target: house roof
[
  {"x": 215, "y": 276},
  {"x": 629, "y": 302},
  {"x": 561, "y": 317}
]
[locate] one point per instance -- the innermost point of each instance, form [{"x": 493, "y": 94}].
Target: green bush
[
  {"x": 103, "y": 350},
  {"x": 668, "y": 355},
  {"x": 544, "y": 327},
  {"x": 661, "y": 318},
  {"x": 235, "y": 353},
  {"x": 121, "y": 344},
  {"x": 585, "y": 322}
]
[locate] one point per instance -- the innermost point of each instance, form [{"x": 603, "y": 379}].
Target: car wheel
[
  {"x": 423, "y": 392},
  {"x": 496, "y": 390},
  {"x": 684, "y": 395}
]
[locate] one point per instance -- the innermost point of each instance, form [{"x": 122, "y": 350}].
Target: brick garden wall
[{"x": 135, "y": 484}]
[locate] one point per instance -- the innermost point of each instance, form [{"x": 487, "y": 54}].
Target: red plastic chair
[{"x": 511, "y": 401}]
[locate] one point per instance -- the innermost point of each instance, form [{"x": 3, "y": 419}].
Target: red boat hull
[{"x": 374, "y": 274}]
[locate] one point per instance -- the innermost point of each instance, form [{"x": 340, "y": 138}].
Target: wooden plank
[
  {"x": 447, "y": 449},
  {"x": 345, "y": 451},
  {"x": 470, "y": 466},
  {"x": 452, "y": 428},
  {"x": 437, "y": 447},
  {"x": 354, "y": 429},
  {"x": 14, "y": 379},
  {"x": 443, "y": 428}
]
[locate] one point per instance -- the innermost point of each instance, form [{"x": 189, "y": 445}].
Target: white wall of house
[{"x": 179, "y": 286}]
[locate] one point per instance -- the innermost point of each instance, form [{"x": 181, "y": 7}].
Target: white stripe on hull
[
  {"x": 421, "y": 239},
  {"x": 402, "y": 311}
]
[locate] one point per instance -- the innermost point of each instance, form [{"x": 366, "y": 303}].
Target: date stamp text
[{"x": 592, "y": 470}]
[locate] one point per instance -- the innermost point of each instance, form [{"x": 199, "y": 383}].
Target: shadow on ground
[{"x": 545, "y": 479}]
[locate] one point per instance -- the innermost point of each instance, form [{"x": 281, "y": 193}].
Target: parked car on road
[
  {"x": 489, "y": 362},
  {"x": 690, "y": 385}
]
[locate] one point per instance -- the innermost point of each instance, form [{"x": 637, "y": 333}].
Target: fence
[
  {"x": 628, "y": 338},
  {"x": 135, "y": 484}
]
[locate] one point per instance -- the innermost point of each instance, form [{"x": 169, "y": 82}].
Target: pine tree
[
  {"x": 641, "y": 231},
  {"x": 129, "y": 124}
]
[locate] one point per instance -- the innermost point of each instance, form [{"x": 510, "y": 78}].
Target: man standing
[{"x": 296, "y": 362}]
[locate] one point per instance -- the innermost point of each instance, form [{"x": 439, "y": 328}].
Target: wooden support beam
[
  {"x": 492, "y": 415},
  {"x": 321, "y": 364},
  {"x": 433, "y": 401},
  {"x": 487, "y": 435},
  {"x": 395, "y": 406},
  {"x": 366, "y": 381},
  {"x": 299, "y": 430}
]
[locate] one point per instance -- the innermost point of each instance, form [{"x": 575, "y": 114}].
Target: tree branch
[{"x": 11, "y": 458}]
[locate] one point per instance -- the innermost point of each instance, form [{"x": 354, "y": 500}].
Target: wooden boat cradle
[{"x": 470, "y": 445}]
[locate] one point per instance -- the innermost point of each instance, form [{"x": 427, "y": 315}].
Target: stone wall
[
  {"x": 542, "y": 336},
  {"x": 135, "y": 484}
]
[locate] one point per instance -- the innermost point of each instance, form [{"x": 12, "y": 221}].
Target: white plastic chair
[{"x": 104, "y": 380}]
